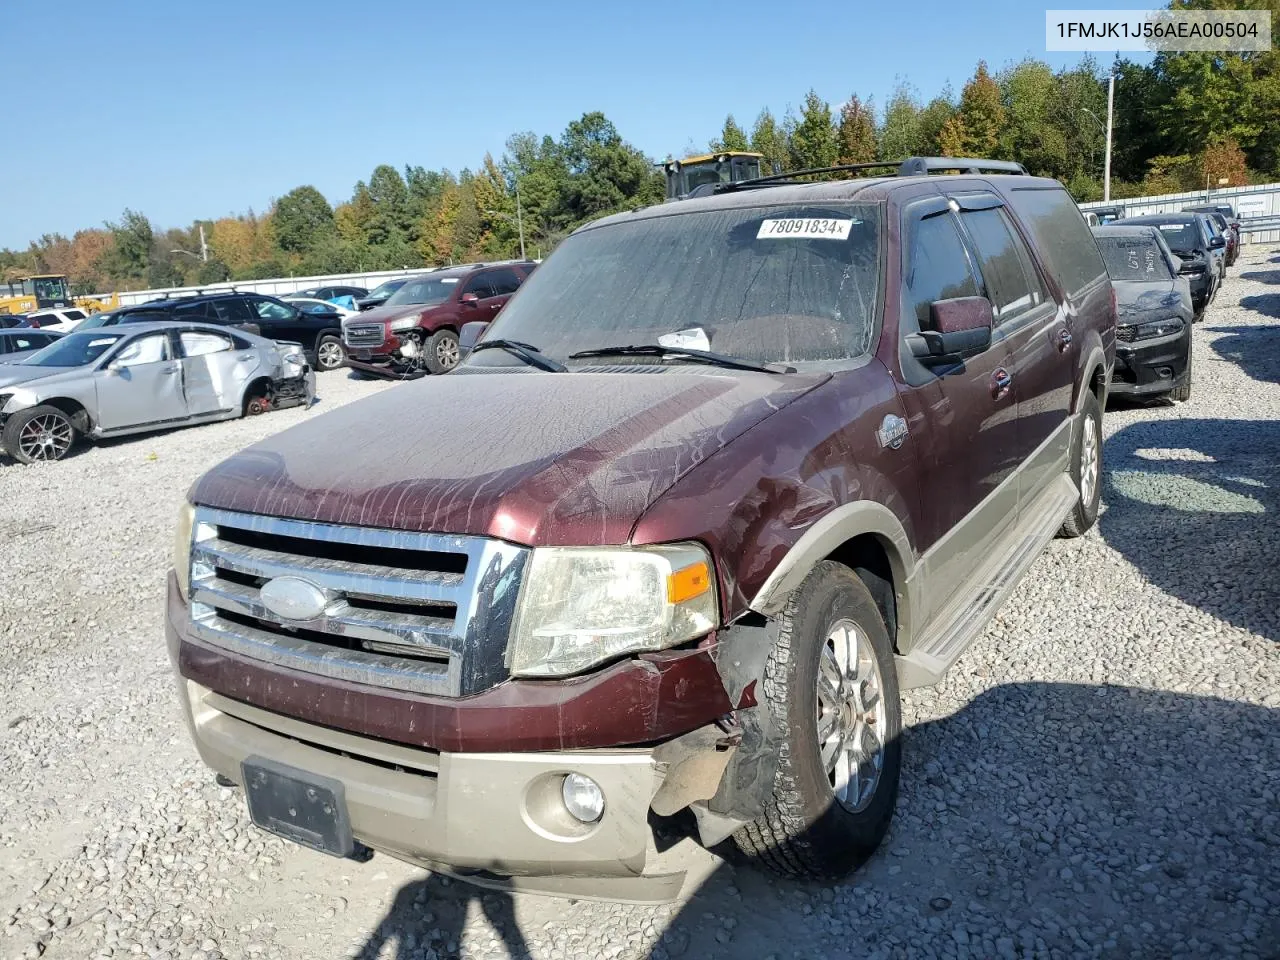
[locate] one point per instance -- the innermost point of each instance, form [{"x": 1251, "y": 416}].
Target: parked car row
[{"x": 117, "y": 380}]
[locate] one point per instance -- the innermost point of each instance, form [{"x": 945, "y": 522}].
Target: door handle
[
  {"x": 169, "y": 370},
  {"x": 1001, "y": 381},
  {"x": 245, "y": 356},
  {"x": 1064, "y": 339}
]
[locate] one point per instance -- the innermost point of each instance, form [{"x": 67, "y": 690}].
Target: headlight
[
  {"x": 581, "y": 607},
  {"x": 182, "y": 547},
  {"x": 1158, "y": 328},
  {"x": 404, "y": 323}
]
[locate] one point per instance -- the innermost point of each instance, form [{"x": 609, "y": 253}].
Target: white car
[
  {"x": 63, "y": 320},
  {"x": 320, "y": 307}
]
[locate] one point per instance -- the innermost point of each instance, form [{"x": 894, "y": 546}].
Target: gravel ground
[{"x": 1097, "y": 777}]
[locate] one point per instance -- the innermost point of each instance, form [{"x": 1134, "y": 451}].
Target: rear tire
[
  {"x": 40, "y": 434},
  {"x": 441, "y": 352},
  {"x": 813, "y": 827},
  {"x": 1086, "y": 469}
]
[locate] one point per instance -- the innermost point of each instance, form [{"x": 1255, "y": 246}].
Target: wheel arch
[
  {"x": 79, "y": 414},
  {"x": 869, "y": 539}
]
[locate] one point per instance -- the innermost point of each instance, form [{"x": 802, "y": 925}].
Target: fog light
[{"x": 583, "y": 797}]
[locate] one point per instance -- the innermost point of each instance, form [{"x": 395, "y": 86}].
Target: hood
[
  {"x": 14, "y": 374},
  {"x": 533, "y": 458},
  {"x": 1141, "y": 301},
  {"x": 391, "y": 312}
]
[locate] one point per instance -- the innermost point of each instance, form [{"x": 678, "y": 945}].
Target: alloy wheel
[
  {"x": 1089, "y": 461},
  {"x": 851, "y": 719},
  {"x": 46, "y": 437}
]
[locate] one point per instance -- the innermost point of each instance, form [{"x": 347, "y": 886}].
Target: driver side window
[
  {"x": 144, "y": 350},
  {"x": 269, "y": 310},
  {"x": 939, "y": 267}
]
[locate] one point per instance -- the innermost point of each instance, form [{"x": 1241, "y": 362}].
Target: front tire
[
  {"x": 441, "y": 352},
  {"x": 40, "y": 434},
  {"x": 1086, "y": 469},
  {"x": 329, "y": 354},
  {"x": 832, "y": 687},
  {"x": 1182, "y": 392}
]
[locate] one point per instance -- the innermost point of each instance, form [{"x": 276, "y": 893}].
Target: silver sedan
[{"x": 119, "y": 380}]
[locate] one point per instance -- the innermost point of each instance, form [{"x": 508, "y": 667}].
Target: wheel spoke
[{"x": 840, "y": 775}]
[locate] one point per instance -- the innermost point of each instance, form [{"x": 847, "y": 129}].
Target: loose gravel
[{"x": 1098, "y": 776}]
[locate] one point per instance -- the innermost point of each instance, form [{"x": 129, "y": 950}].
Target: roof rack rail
[
  {"x": 910, "y": 167},
  {"x": 915, "y": 166}
]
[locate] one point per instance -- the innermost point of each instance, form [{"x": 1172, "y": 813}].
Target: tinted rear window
[
  {"x": 1062, "y": 236},
  {"x": 1133, "y": 258}
]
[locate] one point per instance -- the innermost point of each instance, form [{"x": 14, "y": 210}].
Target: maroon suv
[
  {"x": 417, "y": 328},
  {"x": 725, "y": 476}
]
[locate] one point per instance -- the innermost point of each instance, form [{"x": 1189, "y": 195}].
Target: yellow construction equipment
[
  {"x": 727, "y": 166},
  {"x": 39, "y": 292}
]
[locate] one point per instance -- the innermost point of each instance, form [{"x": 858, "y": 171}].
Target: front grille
[
  {"x": 1124, "y": 334},
  {"x": 364, "y": 335},
  {"x": 422, "y": 612}
]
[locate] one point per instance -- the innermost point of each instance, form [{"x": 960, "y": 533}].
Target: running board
[{"x": 963, "y": 621}]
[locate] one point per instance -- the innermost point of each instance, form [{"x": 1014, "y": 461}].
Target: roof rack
[
  {"x": 915, "y": 166},
  {"x": 910, "y": 167}
]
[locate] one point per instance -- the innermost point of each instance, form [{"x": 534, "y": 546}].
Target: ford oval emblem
[{"x": 292, "y": 598}]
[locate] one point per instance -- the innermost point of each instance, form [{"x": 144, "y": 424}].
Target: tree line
[{"x": 1181, "y": 121}]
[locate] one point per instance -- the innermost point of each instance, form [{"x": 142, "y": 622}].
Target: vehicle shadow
[
  {"x": 1267, "y": 304},
  {"x": 1262, "y": 276},
  {"x": 1100, "y": 820},
  {"x": 1190, "y": 500},
  {"x": 1255, "y": 349}
]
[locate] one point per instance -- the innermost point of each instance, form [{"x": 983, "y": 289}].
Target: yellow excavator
[
  {"x": 726, "y": 166},
  {"x": 42, "y": 291}
]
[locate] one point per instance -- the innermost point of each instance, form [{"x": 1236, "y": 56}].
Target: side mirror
[
  {"x": 1217, "y": 243},
  {"x": 115, "y": 368},
  {"x": 470, "y": 335},
  {"x": 961, "y": 329},
  {"x": 469, "y": 299}
]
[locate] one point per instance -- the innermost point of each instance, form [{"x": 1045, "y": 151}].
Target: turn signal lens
[{"x": 688, "y": 583}]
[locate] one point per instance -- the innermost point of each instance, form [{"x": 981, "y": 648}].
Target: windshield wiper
[
  {"x": 529, "y": 354},
  {"x": 686, "y": 353}
]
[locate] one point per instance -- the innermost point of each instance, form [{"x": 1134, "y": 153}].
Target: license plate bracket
[{"x": 306, "y": 808}]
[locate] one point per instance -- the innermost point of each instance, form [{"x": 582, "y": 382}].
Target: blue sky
[{"x": 185, "y": 110}]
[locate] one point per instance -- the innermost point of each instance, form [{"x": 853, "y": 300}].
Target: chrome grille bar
[{"x": 386, "y": 620}]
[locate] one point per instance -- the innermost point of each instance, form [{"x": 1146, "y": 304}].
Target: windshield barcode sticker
[{"x": 806, "y": 228}]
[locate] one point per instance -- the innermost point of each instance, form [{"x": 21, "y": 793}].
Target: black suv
[{"x": 320, "y": 335}]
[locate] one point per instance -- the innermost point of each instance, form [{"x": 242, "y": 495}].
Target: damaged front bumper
[{"x": 472, "y": 786}]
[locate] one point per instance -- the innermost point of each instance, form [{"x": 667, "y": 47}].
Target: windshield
[
  {"x": 96, "y": 321},
  {"x": 760, "y": 283},
  {"x": 386, "y": 288},
  {"x": 74, "y": 350},
  {"x": 50, "y": 288},
  {"x": 1180, "y": 236},
  {"x": 426, "y": 290},
  {"x": 1134, "y": 258}
]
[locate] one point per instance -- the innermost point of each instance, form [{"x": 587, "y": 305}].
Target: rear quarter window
[{"x": 1063, "y": 239}]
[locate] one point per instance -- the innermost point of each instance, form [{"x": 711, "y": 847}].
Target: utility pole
[
  {"x": 520, "y": 220},
  {"x": 204, "y": 247},
  {"x": 1111, "y": 105}
]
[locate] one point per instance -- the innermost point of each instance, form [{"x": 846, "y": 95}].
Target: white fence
[
  {"x": 279, "y": 287},
  {"x": 1258, "y": 207}
]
